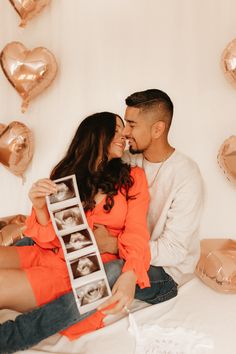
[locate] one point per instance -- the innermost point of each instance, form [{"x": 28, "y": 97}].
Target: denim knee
[
  {"x": 162, "y": 287},
  {"x": 25, "y": 241},
  {"x": 113, "y": 270}
]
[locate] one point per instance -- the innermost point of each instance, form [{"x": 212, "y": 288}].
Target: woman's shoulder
[
  {"x": 137, "y": 173},
  {"x": 140, "y": 181}
]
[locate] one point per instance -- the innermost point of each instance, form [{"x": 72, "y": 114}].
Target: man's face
[{"x": 137, "y": 130}]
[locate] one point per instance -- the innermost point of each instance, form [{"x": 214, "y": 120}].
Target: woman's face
[{"x": 117, "y": 145}]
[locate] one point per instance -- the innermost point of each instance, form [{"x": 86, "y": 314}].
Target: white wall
[{"x": 107, "y": 49}]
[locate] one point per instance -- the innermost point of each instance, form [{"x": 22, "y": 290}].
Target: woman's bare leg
[
  {"x": 9, "y": 258},
  {"x": 15, "y": 291}
]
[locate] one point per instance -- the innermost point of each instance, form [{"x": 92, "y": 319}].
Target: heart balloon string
[
  {"x": 29, "y": 71},
  {"x": 27, "y": 9}
]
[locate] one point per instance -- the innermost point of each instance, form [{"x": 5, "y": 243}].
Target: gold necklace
[{"x": 162, "y": 163}]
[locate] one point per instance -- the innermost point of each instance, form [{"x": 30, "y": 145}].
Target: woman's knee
[
  {"x": 16, "y": 292},
  {"x": 167, "y": 291},
  {"x": 5, "y": 292},
  {"x": 9, "y": 257},
  {"x": 113, "y": 270}
]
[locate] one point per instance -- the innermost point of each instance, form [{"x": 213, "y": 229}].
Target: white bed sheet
[{"x": 196, "y": 307}]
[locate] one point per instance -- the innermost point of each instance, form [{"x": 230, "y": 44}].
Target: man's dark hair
[{"x": 148, "y": 99}]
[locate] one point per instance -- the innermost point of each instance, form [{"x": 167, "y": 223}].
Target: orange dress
[{"x": 47, "y": 271}]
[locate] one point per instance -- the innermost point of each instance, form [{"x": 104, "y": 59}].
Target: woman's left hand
[{"x": 122, "y": 293}]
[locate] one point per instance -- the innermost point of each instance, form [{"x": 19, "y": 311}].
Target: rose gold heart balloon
[
  {"x": 16, "y": 147},
  {"x": 11, "y": 229},
  {"x": 228, "y": 62},
  {"x": 30, "y": 72},
  {"x": 2, "y": 127},
  {"x": 227, "y": 158},
  {"x": 28, "y": 8},
  {"x": 217, "y": 264}
]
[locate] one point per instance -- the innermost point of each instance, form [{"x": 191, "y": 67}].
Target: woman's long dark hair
[{"x": 91, "y": 141}]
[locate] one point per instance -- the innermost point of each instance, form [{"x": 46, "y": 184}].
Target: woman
[{"x": 112, "y": 194}]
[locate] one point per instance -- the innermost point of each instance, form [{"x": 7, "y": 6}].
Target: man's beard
[{"x": 135, "y": 151}]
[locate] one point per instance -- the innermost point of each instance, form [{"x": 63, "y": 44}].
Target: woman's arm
[
  {"x": 133, "y": 246},
  {"x": 38, "y": 223},
  {"x": 37, "y": 195},
  {"x": 133, "y": 242}
]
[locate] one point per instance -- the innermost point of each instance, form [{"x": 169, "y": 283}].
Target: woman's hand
[
  {"x": 39, "y": 190},
  {"x": 122, "y": 293}
]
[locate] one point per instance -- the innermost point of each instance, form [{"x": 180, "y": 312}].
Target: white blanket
[{"x": 196, "y": 308}]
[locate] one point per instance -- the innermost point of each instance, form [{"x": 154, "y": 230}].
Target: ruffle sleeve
[
  {"x": 43, "y": 235},
  {"x": 133, "y": 242}
]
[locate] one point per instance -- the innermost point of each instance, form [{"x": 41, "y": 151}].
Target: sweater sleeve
[
  {"x": 178, "y": 244},
  {"x": 133, "y": 242},
  {"x": 41, "y": 234}
]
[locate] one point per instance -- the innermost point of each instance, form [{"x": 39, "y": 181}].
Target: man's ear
[{"x": 158, "y": 129}]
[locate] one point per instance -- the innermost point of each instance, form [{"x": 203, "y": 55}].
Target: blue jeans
[{"x": 30, "y": 328}]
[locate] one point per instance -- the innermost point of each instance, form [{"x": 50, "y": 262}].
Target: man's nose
[{"x": 126, "y": 132}]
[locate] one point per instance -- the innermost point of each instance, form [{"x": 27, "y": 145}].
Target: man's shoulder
[
  {"x": 182, "y": 160},
  {"x": 185, "y": 168}
]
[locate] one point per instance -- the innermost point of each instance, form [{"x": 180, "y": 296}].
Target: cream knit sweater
[{"x": 174, "y": 212}]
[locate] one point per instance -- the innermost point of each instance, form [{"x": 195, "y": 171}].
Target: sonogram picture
[{"x": 88, "y": 278}]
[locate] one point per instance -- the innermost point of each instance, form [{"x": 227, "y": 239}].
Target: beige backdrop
[{"x": 107, "y": 49}]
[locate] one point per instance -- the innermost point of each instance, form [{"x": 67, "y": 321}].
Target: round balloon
[
  {"x": 16, "y": 147},
  {"x": 228, "y": 62},
  {"x": 29, "y": 71},
  {"x": 227, "y": 158},
  {"x": 27, "y": 9}
]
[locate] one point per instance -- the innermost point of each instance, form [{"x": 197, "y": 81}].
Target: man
[
  {"x": 176, "y": 192},
  {"x": 175, "y": 185}
]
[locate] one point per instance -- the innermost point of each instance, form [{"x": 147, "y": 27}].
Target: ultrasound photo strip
[
  {"x": 87, "y": 275},
  {"x": 91, "y": 294}
]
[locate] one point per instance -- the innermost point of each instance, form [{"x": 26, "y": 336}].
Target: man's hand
[
  {"x": 122, "y": 293},
  {"x": 106, "y": 243}
]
